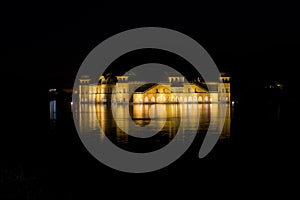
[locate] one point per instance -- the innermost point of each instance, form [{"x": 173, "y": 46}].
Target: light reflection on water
[
  {"x": 52, "y": 108},
  {"x": 91, "y": 117}
]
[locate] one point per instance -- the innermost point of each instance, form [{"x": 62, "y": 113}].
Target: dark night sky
[
  {"x": 48, "y": 42},
  {"x": 43, "y": 45}
]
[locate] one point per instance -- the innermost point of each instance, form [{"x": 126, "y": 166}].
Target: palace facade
[{"x": 120, "y": 89}]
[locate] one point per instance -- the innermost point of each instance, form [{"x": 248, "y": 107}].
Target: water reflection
[
  {"x": 167, "y": 116},
  {"x": 52, "y": 110}
]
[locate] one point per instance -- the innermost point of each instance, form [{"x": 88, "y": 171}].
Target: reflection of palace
[
  {"x": 92, "y": 116},
  {"x": 117, "y": 89}
]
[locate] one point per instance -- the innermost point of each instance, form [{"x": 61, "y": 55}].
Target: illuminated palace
[{"x": 176, "y": 89}]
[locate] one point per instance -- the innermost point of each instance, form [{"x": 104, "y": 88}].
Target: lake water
[
  {"x": 161, "y": 120},
  {"x": 257, "y": 138}
]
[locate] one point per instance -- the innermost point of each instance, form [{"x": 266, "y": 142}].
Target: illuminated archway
[
  {"x": 200, "y": 99},
  {"x": 172, "y": 99},
  {"x": 153, "y": 99},
  {"x": 195, "y": 99},
  {"x": 158, "y": 99},
  {"x": 206, "y": 98}
]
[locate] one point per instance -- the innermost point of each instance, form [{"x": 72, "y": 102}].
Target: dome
[{"x": 109, "y": 80}]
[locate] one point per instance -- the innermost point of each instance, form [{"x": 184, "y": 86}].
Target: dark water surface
[
  {"x": 44, "y": 157},
  {"x": 162, "y": 120}
]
